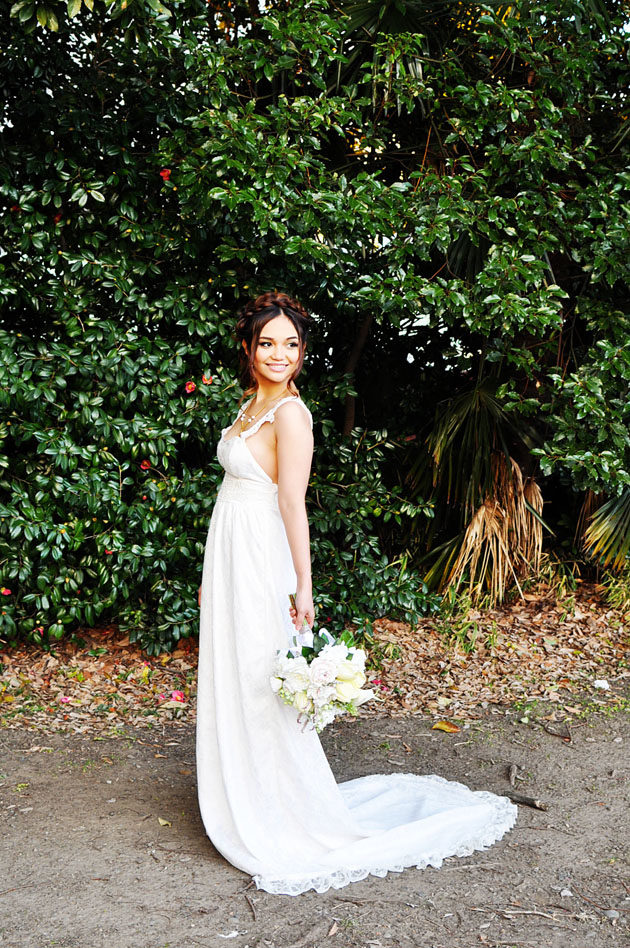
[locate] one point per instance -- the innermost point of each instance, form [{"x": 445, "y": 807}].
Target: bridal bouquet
[{"x": 321, "y": 677}]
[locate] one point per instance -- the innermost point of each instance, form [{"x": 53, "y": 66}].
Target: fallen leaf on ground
[{"x": 447, "y": 726}]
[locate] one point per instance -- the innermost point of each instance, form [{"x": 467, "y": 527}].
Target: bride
[{"x": 267, "y": 796}]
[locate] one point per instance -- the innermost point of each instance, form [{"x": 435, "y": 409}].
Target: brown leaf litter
[{"x": 568, "y": 655}]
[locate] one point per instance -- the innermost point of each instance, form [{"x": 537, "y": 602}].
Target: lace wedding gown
[{"x": 268, "y": 798}]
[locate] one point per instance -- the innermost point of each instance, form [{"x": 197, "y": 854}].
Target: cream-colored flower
[
  {"x": 297, "y": 680},
  {"x": 366, "y": 694},
  {"x": 321, "y": 694},
  {"x": 336, "y": 653},
  {"x": 301, "y": 700},
  {"x": 323, "y": 670},
  {"x": 349, "y": 672},
  {"x": 346, "y": 691}
]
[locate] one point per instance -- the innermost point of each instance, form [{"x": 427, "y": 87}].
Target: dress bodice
[{"x": 234, "y": 455}]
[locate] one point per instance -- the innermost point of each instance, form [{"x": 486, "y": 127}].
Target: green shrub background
[{"x": 448, "y": 194}]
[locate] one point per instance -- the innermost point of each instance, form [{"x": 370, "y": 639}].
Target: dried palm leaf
[
  {"x": 531, "y": 547},
  {"x": 484, "y": 555}
]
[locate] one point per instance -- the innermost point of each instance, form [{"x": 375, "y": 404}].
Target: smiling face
[{"x": 278, "y": 351}]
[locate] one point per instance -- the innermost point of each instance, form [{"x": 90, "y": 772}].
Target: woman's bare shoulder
[{"x": 290, "y": 413}]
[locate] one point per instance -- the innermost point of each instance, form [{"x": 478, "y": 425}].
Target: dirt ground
[{"x": 102, "y": 845}]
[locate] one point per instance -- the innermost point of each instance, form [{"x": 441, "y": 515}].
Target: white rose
[
  {"x": 336, "y": 653},
  {"x": 276, "y": 684},
  {"x": 323, "y": 670},
  {"x": 285, "y": 664},
  {"x": 297, "y": 679},
  {"x": 321, "y": 694}
]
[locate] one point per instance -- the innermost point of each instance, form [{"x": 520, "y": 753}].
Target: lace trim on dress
[
  {"x": 270, "y": 415},
  {"x": 503, "y": 819}
]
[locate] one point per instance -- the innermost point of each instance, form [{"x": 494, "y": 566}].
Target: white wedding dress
[{"x": 268, "y": 798}]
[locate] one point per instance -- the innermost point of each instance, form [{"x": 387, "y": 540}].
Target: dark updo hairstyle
[{"x": 253, "y": 317}]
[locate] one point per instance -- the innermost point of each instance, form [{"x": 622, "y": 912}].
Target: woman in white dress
[{"x": 268, "y": 798}]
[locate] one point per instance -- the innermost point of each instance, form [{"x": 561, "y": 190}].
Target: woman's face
[{"x": 277, "y": 352}]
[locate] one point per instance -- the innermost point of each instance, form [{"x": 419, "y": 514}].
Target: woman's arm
[{"x": 294, "y": 442}]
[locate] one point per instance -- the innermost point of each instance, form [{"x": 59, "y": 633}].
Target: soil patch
[{"x": 103, "y": 846}]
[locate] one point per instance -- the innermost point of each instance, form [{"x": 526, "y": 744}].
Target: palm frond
[
  {"x": 590, "y": 504},
  {"x": 466, "y": 433},
  {"x": 607, "y": 537},
  {"x": 504, "y": 537},
  {"x": 531, "y": 547},
  {"x": 484, "y": 556}
]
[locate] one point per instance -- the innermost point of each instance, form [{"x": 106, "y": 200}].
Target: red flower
[
  {"x": 15, "y": 207},
  {"x": 5, "y": 591},
  {"x": 206, "y": 379},
  {"x": 190, "y": 387},
  {"x": 109, "y": 551},
  {"x": 145, "y": 465},
  {"x": 144, "y": 496},
  {"x": 165, "y": 174}
]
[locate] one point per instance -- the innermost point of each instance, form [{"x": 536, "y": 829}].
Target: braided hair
[{"x": 251, "y": 320}]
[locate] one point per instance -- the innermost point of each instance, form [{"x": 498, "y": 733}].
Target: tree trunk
[{"x": 350, "y": 368}]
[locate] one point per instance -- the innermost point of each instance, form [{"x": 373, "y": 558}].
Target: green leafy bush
[
  {"x": 448, "y": 195},
  {"x": 351, "y": 512},
  {"x": 107, "y": 496}
]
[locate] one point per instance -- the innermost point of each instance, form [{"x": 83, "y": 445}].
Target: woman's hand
[
  {"x": 199, "y": 597},
  {"x": 304, "y": 610}
]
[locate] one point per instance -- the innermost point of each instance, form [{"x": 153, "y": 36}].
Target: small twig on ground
[
  {"x": 513, "y": 774},
  {"x": 251, "y": 904},
  {"x": 26, "y": 885},
  {"x": 554, "y": 829},
  {"x": 510, "y": 913},
  {"x": 473, "y": 865},
  {"x": 526, "y": 801},
  {"x": 340, "y": 898},
  {"x": 603, "y": 908}
]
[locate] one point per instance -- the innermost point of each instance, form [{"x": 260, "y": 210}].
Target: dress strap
[{"x": 270, "y": 415}]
